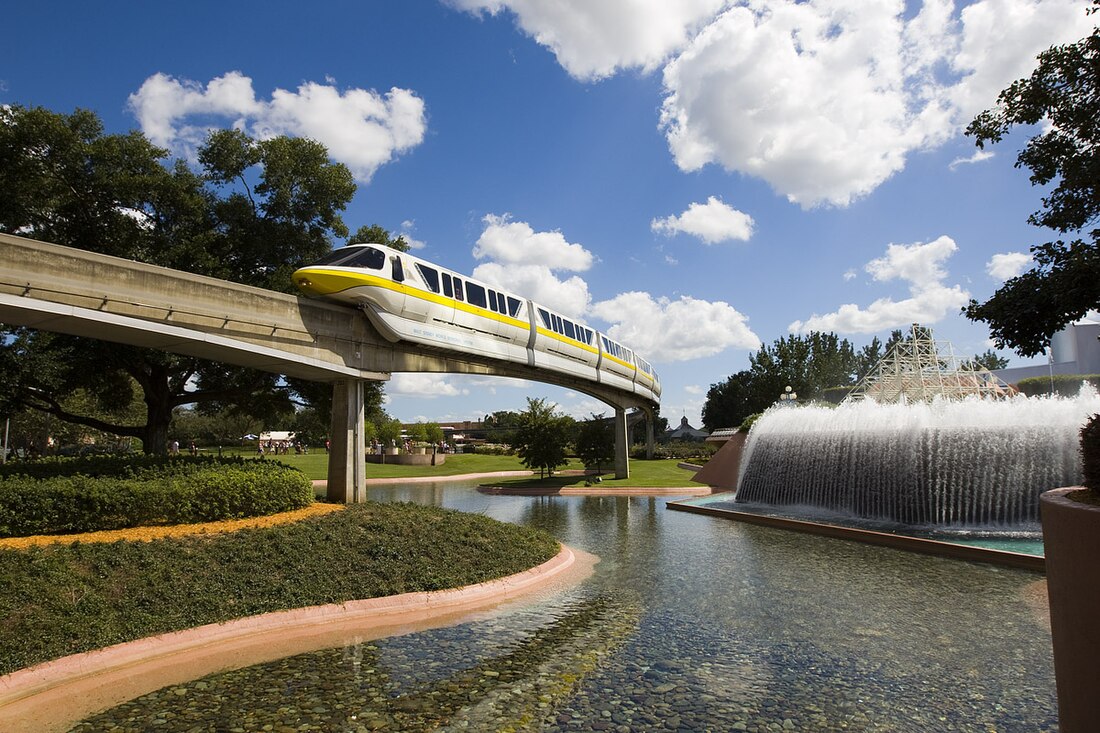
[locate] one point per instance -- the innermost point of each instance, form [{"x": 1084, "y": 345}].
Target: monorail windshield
[{"x": 366, "y": 257}]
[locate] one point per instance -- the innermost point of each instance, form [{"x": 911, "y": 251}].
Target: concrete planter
[{"x": 1071, "y": 537}]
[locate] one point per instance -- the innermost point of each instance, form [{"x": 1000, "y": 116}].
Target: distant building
[
  {"x": 1073, "y": 350},
  {"x": 684, "y": 432}
]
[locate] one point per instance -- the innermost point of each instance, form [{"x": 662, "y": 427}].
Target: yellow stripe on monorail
[
  {"x": 333, "y": 281},
  {"x": 362, "y": 279}
]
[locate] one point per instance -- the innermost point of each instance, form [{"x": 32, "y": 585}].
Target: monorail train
[{"x": 410, "y": 299}]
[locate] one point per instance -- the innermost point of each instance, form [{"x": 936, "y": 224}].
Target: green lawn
[{"x": 661, "y": 473}]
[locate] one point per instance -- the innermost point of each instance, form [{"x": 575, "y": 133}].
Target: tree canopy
[
  {"x": 596, "y": 442},
  {"x": 809, "y": 364},
  {"x": 542, "y": 437},
  {"x": 1064, "y": 284},
  {"x": 252, "y": 212}
]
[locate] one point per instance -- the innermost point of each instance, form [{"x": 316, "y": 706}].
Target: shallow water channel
[{"x": 688, "y": 623}]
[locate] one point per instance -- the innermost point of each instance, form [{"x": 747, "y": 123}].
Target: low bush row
[
  {"x": 1066, "y": 385},
  {"x": 86, "y": 497}
]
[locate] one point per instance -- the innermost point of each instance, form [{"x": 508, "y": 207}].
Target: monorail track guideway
[{"x": 73, "y": 291}]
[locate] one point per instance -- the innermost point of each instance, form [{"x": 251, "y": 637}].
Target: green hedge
[
  {"x": 86, "y": 495},
  {"x": 1066, "y": 385}
]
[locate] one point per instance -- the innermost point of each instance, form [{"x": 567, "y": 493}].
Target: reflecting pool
[{"x": 688, "y": 623}]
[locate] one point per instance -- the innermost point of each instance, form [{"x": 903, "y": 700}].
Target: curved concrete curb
[
  {"x": 596, "y": 491},
  {"x": 323, "y": 483},
  {"x": 56, "y": 694}
]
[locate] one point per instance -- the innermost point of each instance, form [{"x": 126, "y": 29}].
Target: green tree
[
  {"x": 542, "y": 437},
  {"x": 809, "y": 364},
  {"x": 374, "y": 234},
  {"x": 501, "y": 426},
  {"x": 418, "y": 433},
  {"x": 596, "y": 442},
  {"x": 988, "y": 360},
  {"x": 435, "y": 436},
  {"x": 253, "y": 213},
  {"x": 389, "y": 432},
  {"x": 1064, "y": 284},
  {"x": 729, "y": 402}
]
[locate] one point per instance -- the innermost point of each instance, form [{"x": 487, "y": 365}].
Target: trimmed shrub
[
  {"x": 747, "y": 423},
  {"x": 1090, "y": 454},
  {"x": 87, "y": 495},
  {"x": 679, "y": 450},
  {"x": 1066, "y": 385}
]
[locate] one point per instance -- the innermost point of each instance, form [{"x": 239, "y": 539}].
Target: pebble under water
[{"x": 689, "y": 623}]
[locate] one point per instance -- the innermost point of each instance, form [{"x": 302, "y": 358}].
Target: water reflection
[{"x": 689, "y": 623}]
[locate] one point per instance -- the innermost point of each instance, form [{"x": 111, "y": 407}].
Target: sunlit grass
[
  {"x": 66, "y": 598},
  {"x": 643, "y": 474}
]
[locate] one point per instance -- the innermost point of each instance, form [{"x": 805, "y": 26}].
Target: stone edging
[
  {"x": 323, "y": 483},
  {"x": 29, "y": 697},
  {"x": 597, "y": 491}
]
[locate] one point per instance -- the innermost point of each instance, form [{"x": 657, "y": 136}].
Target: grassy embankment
[
  {"x": 643, "y": 474},
  {"x": 66, "y": 598}
]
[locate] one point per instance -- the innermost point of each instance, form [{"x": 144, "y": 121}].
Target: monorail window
[
  {"x": 588, "y": 336},
  {"x": 569, "y": 330},
  {"x": 502, "y": 304},
  {"x": 336, "y": 255},
  {"x": 493, "y": 301},
  {"x": 431, "y": 277},
  {"x": 368, "y": 257},
  {"x": 447, "y": 289},
  {"x": 458, "y": 289},
  {"x": 398, "y": 270},
  {"x": 557, "y": 324},
  {"x": 513, "y": 306},
  {"x": 475, "y": 294},
  {"x": 545, "y": 315}
]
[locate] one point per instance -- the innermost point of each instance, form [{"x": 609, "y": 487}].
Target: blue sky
[{"x": 694, "y": 177}]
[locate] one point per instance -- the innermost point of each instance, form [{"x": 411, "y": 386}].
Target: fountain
[{"x": 943, "y": 464}]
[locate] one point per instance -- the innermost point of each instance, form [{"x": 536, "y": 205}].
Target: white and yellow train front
[{"x": 410, "y": 299}]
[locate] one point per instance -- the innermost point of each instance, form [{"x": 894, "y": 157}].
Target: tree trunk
[{"x": 158, "y": 416}]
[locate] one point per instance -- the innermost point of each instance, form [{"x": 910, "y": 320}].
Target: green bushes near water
[
  {"x": 65, "y": 496},
  {"x": 67, "y": 598}
]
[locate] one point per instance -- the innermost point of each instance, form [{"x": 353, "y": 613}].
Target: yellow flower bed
[{"x": 148, "y": 534}]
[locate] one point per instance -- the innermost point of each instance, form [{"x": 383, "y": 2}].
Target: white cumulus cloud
[
  {"x": 569, "y": 297},
  {"x": 713, "y": 222},
  {"x": 515, "y": 242},
  {"x": 921, "y": 266},
  {"x": 977, "y": 157},
  {"x": 674, "y": 330},
  {"x": 360, "y": 127},
  {"x": 592, "y": 40},
  {"x": 822, "y": 99},
  {"x": 422, "y": 384},
  {"x": 526, "y": 262},
  {"x": 1008, "y": 265}
]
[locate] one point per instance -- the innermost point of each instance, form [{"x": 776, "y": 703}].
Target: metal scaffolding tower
[{"x": 920, "y": 369}]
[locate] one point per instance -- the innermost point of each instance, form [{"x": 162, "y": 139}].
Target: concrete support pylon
[
  {"x": 650, "y": 419},
  {"x": 622, "y": 445},
  {"x": 347, "y": 457}
]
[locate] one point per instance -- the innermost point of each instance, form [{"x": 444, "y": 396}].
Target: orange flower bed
[{"x": 148, "y": 534}]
